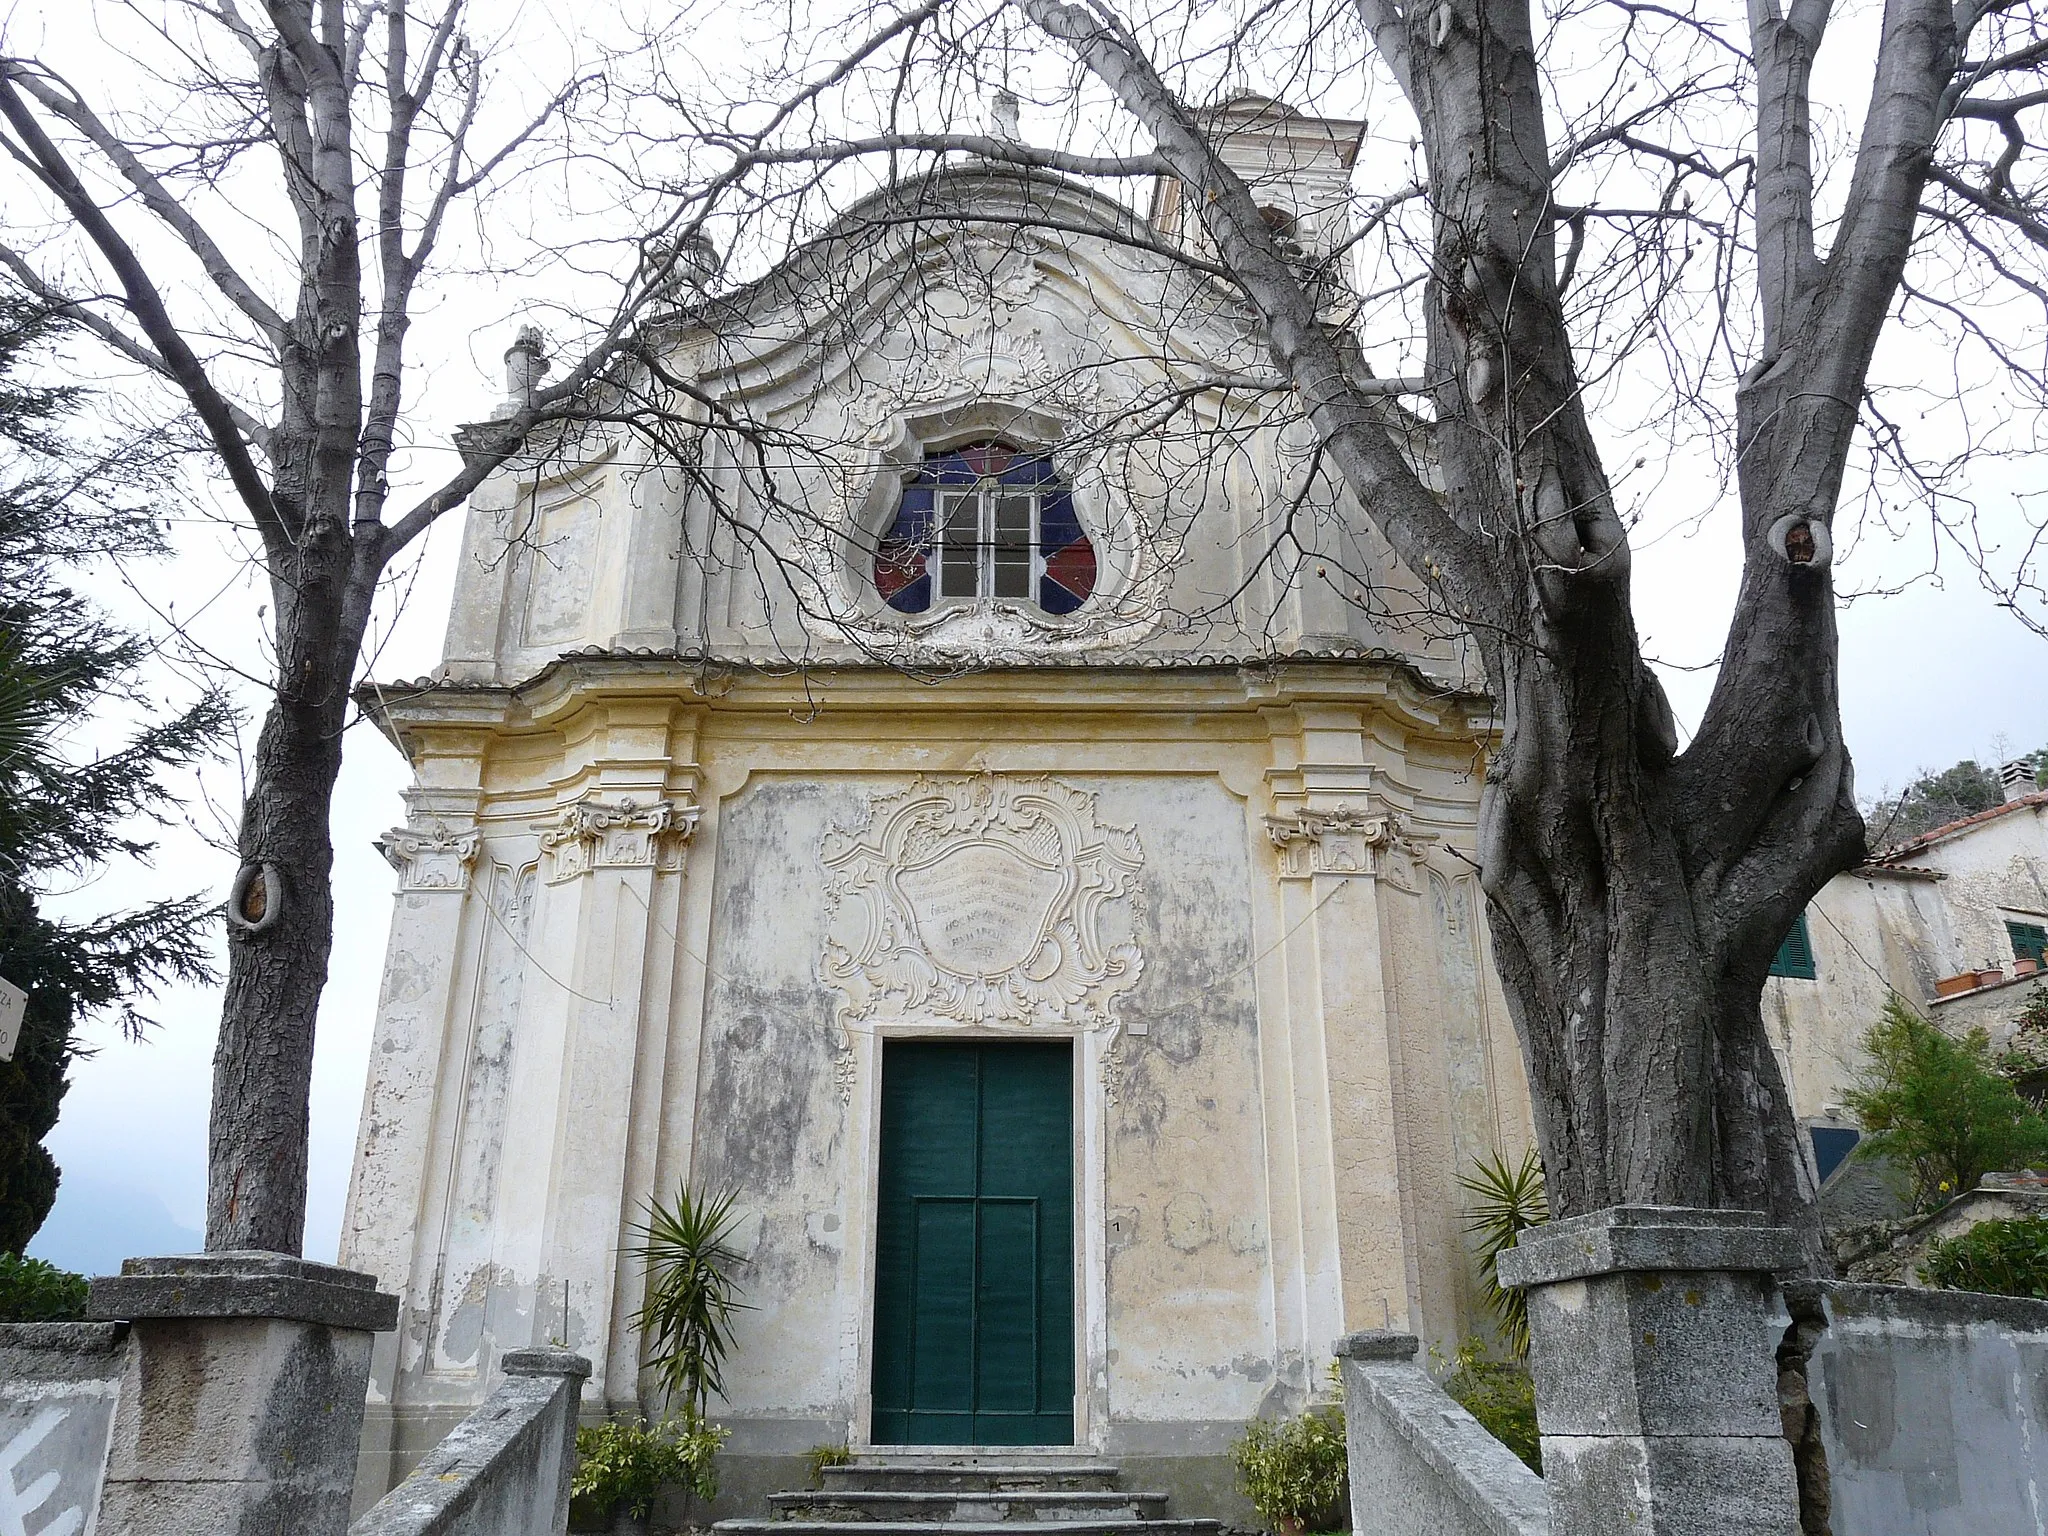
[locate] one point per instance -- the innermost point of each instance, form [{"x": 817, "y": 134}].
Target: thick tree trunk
[
  {"x": 281, "y": 914},
  {"x": 263, "y": 1064}
]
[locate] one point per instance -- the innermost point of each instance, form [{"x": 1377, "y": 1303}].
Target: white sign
[{"x": 13, "y": 1003}]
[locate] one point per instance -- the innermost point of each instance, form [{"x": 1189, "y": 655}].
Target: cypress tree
[{"x": 69, "y": 505}]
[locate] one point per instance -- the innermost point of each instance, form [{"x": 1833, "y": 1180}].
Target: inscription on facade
[
  {"x": 980, "y": 908},
  {"x": 982, "y": 901}
]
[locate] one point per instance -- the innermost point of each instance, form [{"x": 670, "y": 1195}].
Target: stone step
[
  {"x": 989, "y": 1473},
  {"x": 1013, "y": 1506},
  {"x": 1105, "y": 1526}
]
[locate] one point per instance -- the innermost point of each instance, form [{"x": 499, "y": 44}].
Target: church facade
[{"x": 1015, "y": 844}]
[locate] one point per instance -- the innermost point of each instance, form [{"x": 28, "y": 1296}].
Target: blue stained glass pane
[
  {"x": 1056, "y": 599},
  {"x": 949, "y": 469},
  {"x": 913, "y": 515},
  {"x": 1058, "y": 525},
  {"x": 913, "y": 597}
]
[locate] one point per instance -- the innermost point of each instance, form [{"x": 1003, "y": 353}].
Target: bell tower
[{"x": 1297, "y": 166}]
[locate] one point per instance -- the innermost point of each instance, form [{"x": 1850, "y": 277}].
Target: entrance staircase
[{"x": 968, "y": 1491}]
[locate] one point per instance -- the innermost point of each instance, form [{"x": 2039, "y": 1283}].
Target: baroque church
[{"x": 1019, "y": 843}]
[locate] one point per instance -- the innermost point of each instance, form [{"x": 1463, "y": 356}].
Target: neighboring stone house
[
  {"x": 1051, "y": 912},
  {"x": 1954, "y": 921}
]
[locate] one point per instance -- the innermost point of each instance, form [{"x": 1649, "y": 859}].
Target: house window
[
  {"x": 986, "y": 521},
  {"x": 2029, "y": 941},
  {"x": 1832, "y": 1145},
  {"x": 1795, "y": 955}
]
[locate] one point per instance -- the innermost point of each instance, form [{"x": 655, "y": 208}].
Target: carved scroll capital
[
  {"x": 594, "y": 833},
  {"x": 1343, "y": 840},
  {"x": 430, "y": 859}
]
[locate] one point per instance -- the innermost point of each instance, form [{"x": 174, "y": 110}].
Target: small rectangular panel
[
  {"x": 943, "y": 1307},
  {"x": 1006, "y": 1308},
  {"x": 1011, "y": 552},
  {"x": 960, "y": 544}
]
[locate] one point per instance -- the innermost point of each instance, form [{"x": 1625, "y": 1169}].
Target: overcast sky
[{"x": 1930, "y": 675}]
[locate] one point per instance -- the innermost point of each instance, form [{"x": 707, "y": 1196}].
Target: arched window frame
[{"x": 986, "y": 521}]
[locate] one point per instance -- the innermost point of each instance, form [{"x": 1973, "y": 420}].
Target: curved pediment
[{"x": 982, "y": 302}]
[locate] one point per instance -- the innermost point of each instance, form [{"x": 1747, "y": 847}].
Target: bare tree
[
  {"x": 1594, "y": 191},
  {"x": 1590, "y": 197},
  {"x": 262, "y": 251}
]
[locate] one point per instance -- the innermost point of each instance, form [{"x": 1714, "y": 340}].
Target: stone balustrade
[{"x": 503, "y": 1471}]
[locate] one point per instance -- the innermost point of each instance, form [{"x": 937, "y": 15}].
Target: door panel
[{"x": 974, "y": 1325}]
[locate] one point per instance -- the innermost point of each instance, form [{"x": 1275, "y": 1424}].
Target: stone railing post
[
  {"x": 241, "y": 1403},
  {"x": 506, "y": 1470},
  {"x": 1654, "y": 1334}
]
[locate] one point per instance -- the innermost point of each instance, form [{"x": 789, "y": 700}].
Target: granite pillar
[
  {"x": 1653, "y": 1337},
  {"x": 241, "y": 1404}
]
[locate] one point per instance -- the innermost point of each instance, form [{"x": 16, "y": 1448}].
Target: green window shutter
[
  {"x": 1795, "y": 955},
  {"x": 2029, "y": 941}
]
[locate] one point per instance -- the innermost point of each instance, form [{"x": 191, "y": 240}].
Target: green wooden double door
[{"x": 974, "y": 1252}]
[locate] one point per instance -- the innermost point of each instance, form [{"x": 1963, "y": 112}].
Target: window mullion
[{"x": 986, "y": 526}]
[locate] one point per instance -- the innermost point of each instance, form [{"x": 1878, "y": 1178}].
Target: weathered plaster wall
[
  {"x": 1879, "y": 930},
  {"x": 1312, "y": 1050},
  {"x": 1932, "y": 1410},
  {"x": 1873, "y": 933},
  {"x": 1191, "y": 1333},
  {"x": 1995, "y": 869},
  {"x": 771, "y": 1123}
]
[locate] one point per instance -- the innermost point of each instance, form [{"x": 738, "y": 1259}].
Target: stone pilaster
[
  {"x": 600, "y": 947},
  {"x": 1339, "y": 848},
  {"x": 242, "y": 1400},
  {"x": 1654, "y": 1334},
  {"x": 416, "y": 1008}
]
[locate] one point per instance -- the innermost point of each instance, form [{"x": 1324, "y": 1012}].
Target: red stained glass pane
[
  {"x": 897, "y": 565},
  {"x": 987, "y": 458},
  {"x": 1074, "y": 568}
]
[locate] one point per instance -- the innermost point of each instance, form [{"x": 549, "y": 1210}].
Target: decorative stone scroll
[
  {"x": 621, "y": 834},
  {"x": 982, "y": 901},
  {"x": 1344, "y": 840},
  {"x": 429, "y": 860}
]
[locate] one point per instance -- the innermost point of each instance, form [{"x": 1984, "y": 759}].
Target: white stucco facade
[
  {"x": 667, "y": 884},
  {"x": 1921, "y": 912}
]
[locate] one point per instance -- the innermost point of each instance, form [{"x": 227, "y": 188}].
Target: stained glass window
[{"x": 985, "y": 521}]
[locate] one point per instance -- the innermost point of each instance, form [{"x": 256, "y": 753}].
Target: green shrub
[
  {"x": 1501, "y": 1395},
  {"x": 627, "y": 1462},
  {"x": 2005, "y": 1258},
  {"x": 819, "y": 1457},
  {"x": 1938, "y": 1107},
  {"x": 1509, "y": 1200},
  {"x": 32, "y": 1291},
  {"x": 688, "y": 1257},
  {"x": 1295, "y": 1470}
]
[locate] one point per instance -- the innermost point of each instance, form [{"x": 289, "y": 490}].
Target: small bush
[
  {"x": 1295, "y": 1470},
  {"x": 2004, "y": 1258},
  {"x": 1501, "y": 1395},
  {"x": 32, "y": 1291},
  {"x": 819, "y": 1457},
  {"x": 1937, "y": 1106},
  {"x": 627, "y": 1462}
]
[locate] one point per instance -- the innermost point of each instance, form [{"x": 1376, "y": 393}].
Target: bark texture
[
  {"x": 311, "y": 480},
  {"x": 1637, "y": 893}
]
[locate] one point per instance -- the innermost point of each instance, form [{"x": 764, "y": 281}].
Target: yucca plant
[
  {"x": 1509, "y": 1200},
  {"x": 686, "y": 1319}
]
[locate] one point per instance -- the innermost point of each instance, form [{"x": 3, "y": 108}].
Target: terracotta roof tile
[{"x": 1926, "y": 839}]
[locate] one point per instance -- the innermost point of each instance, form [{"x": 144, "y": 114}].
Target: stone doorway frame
[{"x": 1091, "y": 1050}]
